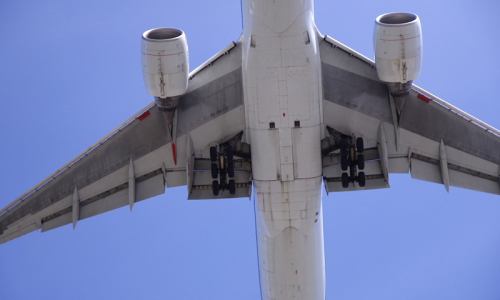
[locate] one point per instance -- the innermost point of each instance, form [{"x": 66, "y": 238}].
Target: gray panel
[
  {"x": 144, "y": 190},
  {"x": 371, "y": 167},
  {"x": 58, "y": 222},
  {"x": 399, "y": 165},
  {"x": 356, "y": 92},
  {"x": 207, "y": 194},
  {"x": 219, "y": 97},
  {"x": 430, "y": 120},
  {"x": 370, "y": 185},
  {"x": 105, "y": 159},
  {"x": 205, "y": 177},
  {"x": 202, "y": 186},
  {"x": 431, "y": 172},
  {"x": 175, "y": 178},
  {"x": 466, "y": 181},
  {"x": 436, "y": 123},
  {"x": 21, "y": 231},
  {"x": 135, "y": 140},
  {"x": 425, "y": 171}
]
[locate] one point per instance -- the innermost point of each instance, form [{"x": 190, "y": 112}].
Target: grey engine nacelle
[
  {"x": 397, "y": 41},
  {"x": 165, "y": 65}
]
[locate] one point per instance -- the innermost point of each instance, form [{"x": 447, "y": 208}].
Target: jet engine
[
  {"x": 397, "y": 41},
  {"x": 165, "y": 65},
  {"x": 165, "y": 69}
]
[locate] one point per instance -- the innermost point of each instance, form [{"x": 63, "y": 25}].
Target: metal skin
[
  {"x": 164, "y": 60},
  {"x": 397, "y": 43},
  {"x": 282, "y": 85}
]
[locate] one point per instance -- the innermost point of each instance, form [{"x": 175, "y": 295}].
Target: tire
[
  {"x": 229, "y": 153},
  {"x": 345, "y": 180},
  {"x": 343, "y": 146},
  {"x": 361, "y": 179},
  {"x": 343, "y": 162},
  {"x": 361, "y": 162},
  {"x": 230, "y": 169},
  {"x": 213, "y": 154},
  {"x": 215, "y": 171},
  {"x": 215, "y": 187},
  {"x": 232, "y": 187},
  {"x": 360, "y": 147}
]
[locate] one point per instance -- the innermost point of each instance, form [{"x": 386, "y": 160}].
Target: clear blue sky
[{"x": 70, "y": 73}]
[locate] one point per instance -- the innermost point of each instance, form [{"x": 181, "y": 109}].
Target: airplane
[{"x": 137, "y": 208}]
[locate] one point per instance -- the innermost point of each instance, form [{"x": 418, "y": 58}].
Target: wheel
[
  {"x": 230, "y": 169},
  {"x": 361, "y": 162},
  {"x": 345, "y": 180},
  {"x": 215, "y": 187},
  {"x": 360, "y": 147},
  {"x": 343, "y": 146},
  {"x": 343, "y": 162},
  {"x": 229, "y": 153},
  {"x": 213, "y": 154},
  {"x": 215, "y": 171},
  {"x": 232, "y": 187},
  {"x": 361, "y": 179}
]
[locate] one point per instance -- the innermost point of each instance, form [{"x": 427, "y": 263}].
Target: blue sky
[{"x": 70, "y": 73}]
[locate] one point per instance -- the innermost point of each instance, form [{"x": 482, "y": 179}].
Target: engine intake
[
  {"x": 165, "y": 64},
  {"x": 398, "y": 47}
]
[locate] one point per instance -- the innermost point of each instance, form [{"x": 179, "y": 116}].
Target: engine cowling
[
  {"x": 398, "y": 47},
  {"x": 165, "y": 62}
]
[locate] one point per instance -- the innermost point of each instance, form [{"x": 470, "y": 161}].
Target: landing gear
[
  {"x": 213, "y": 154},
  {"x": 215, "y": 187},
  {"x": 215, "y": 171},
  {"x": 344, "y": 145},
  {"x": 230, "y": 169},
  {"x": 350, "y": 151},
  {"x": 345, "y": 180},
  {"x": 361, "y": 179},
  {"x": 360, "y": 147},
  {"x": 232, "y": 187},
  {"x": 344, "y": 162},
  {"x": 361, "y": 162},
  {"x": 223, "y": 169}
]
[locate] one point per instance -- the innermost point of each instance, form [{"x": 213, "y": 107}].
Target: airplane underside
[
  {"x": 281, "y": 83},
  {"x": 274, "y": 115}
]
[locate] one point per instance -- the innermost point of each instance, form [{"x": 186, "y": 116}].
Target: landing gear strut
[
  {"x": 222, "y": 169},
  {"x": 350, "y": 150}
]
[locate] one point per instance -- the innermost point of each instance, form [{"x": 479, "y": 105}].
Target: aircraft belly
[
  {"x": 282, "y": 96},
  {"x": 281, "y": 83},
  {"x": 290, "y": 239}
]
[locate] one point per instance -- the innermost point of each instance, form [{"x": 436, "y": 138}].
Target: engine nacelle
[
  {"x": 397, "y": 40},
  {"x": 165, "y": 62}
]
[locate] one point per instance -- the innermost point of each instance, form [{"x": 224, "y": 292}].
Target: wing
[
  {"x": 434, "y": 140},
  {"x": 137, "y": 159}
]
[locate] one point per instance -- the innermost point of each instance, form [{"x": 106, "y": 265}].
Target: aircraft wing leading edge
[{"x": 140, "y": 153}]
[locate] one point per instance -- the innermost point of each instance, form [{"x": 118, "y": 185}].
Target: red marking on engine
[
  {"x": 144, "y": 115},
  {"x": 283, "y": 114},
  {"x": 173, "y": 153},
  {"x": 423, "y": 98}
]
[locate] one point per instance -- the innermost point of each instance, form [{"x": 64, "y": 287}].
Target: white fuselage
[{"x": 282, "y": 95}]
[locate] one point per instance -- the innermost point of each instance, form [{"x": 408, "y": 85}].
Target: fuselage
[{"x": 282, "y": 95}]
